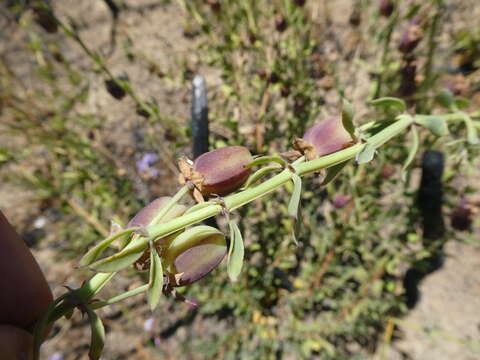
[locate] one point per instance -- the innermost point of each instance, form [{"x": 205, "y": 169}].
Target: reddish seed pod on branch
[
  {"x": 386, "y": 7},
  {"x": 462, "y": 216},
  {"x": 325, "y": 137},
  {"x": 411, "y": 37},
  {"x": 194, "y": 254},
  {"x": 146, "y": 216},
  {"x": 218, "y": 172}
]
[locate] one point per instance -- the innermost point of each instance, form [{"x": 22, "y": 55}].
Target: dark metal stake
[
  {"x": 429, "y": 201},
  {"x": 199, "y": 116}
]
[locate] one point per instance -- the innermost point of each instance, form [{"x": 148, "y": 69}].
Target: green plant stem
[
  {"x": 125, "y": 295},
  {"x": 432, "y": 44}
]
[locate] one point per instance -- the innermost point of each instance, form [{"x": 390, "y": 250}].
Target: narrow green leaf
[
  {"x": 131, "y": 253},
  {"x": 389, "y": 103},
  {"x": 347, "y": 117},
  {"x": 332, "y": 172},
  {"x": 266, "y": 159},
  {"x": 97, "y": 339},
  {"x": 260, "y": 173},
  {"x": 295, "y": 199},
  {"x": 155, "y": 281},
  {"x": 236, "y": 252},
  {"x": 296, "y": 226},
  {"x": 445, "y": 98},
  {"x": 366, "y": 154},
  {"x": 436, "y": 125},
  {"x": 472, "y": 135},
  {"x": 412, "y": 153},
  {"x": 95, "y": 252}
]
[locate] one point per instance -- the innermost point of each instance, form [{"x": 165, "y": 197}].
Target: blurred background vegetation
[{"x": 95, "y": 108}]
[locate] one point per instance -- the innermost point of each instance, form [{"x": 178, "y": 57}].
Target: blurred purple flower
[
  {"x": 157, "y": 341},
  {"x": 340, "y": 200},
  {"x": 148, "y": 324},
  {"x": 56, "y": 356},
  {"x": 144, "y": 165}
]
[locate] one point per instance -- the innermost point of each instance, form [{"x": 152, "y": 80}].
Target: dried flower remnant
[
  {"x": 218, "y": 172},
  {"x": 325, "y": 137}
]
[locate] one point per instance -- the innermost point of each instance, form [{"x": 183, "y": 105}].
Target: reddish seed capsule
[
  {"x": 281, "y": 23},
  {"x": 340, "y": 201},
  {"x": 325, "y": 137},
  {"x": 145, "y": 217},
  {"x": 148, "y": 213},
  {"x": 299, "y": 2},
  {"x": 194, "y": 254},
  {"x": 218, "y": 172},
  {"x": 411, "y": 37},
  {"x": 386, "y": 7},
  {"x": 461, "y": 217}
]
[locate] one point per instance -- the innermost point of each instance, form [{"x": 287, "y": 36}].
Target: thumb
[{"x": 15, "y": 343}]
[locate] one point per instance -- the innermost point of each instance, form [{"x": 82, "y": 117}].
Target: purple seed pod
[
  {"x": 219, "y": 172},
  {"x": 194, "y": 254},
  {"x": 386, "y": 7},
  {"x": 340, "y": 201},
  {"x": 281, "y": 23},
  {"x": 146, "y": 215},
  {"x": 411, "y": 37},
  {"x": 325, "y": 137},
  {"x": 144, "y": 218}
]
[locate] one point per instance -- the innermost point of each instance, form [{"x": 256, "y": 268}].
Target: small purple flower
[
  {"x": 340, "y": 200},
  {"x": 144, "y": 165},
  {"x": 56, "y": 356},
  {"x": 157, "y": 341},
  {"x": 148, "y": 324}
]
